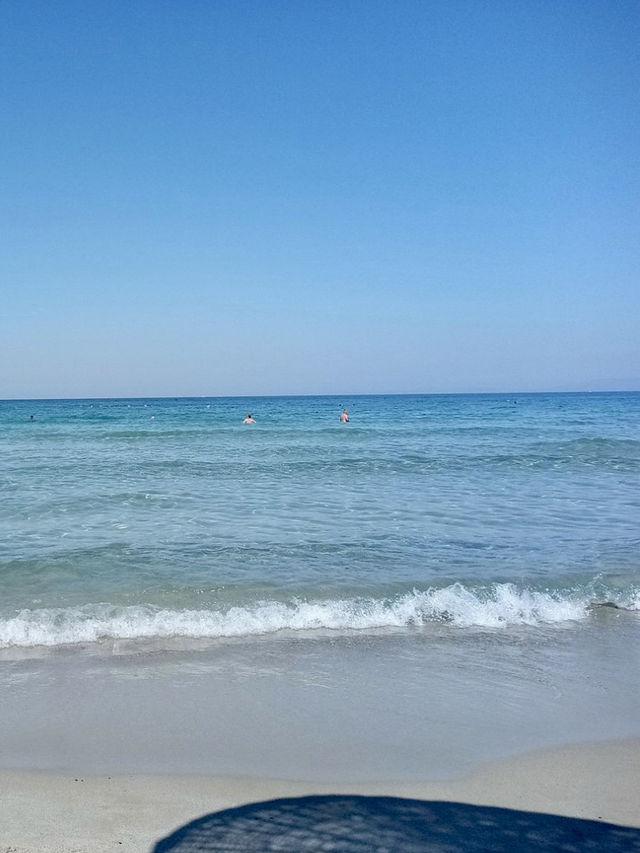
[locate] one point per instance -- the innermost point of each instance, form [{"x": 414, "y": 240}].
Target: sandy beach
[
  {"x": 105, "y": 751},
  {"x": 62, "y": 813}
]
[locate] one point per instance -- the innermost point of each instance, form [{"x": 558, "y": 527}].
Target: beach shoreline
[
  {"x": 68, "y": 813},
  {"x": 418, "y": 605}
]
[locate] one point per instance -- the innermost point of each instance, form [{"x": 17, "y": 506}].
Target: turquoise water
[{"x": 161, "y": 518}]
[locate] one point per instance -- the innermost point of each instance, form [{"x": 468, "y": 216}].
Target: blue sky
[{"x": 319, "y": 197}]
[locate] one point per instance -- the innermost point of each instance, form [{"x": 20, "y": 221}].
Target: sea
[{"x": 441, "y": 580}]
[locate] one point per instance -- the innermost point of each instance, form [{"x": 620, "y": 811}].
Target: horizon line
[{"x": 336, "y": 394}]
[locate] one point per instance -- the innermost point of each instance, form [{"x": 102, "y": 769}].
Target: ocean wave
[{"x": 497, "y": 606}]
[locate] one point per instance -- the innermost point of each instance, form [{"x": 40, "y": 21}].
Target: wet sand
[{"x": 62, "y": 813}]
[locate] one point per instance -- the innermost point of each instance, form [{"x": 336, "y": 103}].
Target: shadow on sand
[{"x": 353, "y": 824}]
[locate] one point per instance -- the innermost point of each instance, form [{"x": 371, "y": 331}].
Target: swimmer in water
[
  {"x": 344, "y": 417},
  {"x": 249, "y": 419}
]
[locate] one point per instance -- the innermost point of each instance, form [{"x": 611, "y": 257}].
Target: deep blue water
[{"x": 161, "y": 517}]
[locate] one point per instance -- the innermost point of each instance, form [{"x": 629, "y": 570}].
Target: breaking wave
[{"x": 497, "y": 606}]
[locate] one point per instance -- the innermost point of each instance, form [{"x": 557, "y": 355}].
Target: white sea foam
[
  {"x": 630, "y": 601},
  {"x": 497, "y": 606}
]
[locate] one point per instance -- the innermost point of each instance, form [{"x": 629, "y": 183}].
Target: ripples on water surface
[{"x": 163, "y": 518}]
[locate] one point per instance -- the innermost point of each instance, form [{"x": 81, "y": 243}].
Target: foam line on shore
[{"x": 498, "y": 606}]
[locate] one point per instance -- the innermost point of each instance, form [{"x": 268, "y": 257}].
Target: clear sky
[{"x": 312, "y": 196}]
